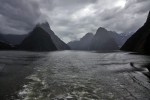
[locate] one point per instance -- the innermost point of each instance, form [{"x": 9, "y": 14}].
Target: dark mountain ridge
[
  {"x": 83, "y": 43},
  {"x": 42, "y": 38},
  {"x": 103, "y": 41},
  {"x": 57, "y": 41},
  {"x": 121, "y": 38},
  {"x": 38, "y": 40},
  {"x": 14, "y": 39},
  {"x": 139, "y": 41},
  {"x": 5, "y": 46}
]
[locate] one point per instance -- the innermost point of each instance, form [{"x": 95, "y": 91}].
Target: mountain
[
  {"x": 38, "y": 40},
  {"x": 74, "y": 45},
  {"x": 103, "y": 41},
  {"x": 121, "y": 38},
  {"x": 57, "y": 41},
  {"x": 83, "y": 43},
  {"x": 140, "y": 40},
  {"x": 42, "y": 38},
  {"x": 2, "y": 38},
  {"x": 14, "y": 38},
  {"x": 5, "y": 46}
]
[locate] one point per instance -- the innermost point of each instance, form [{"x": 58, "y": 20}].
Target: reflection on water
[{"x": 68, "y": 75}]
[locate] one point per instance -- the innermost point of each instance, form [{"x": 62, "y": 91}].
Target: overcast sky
[{"x": 71, "y": 19}]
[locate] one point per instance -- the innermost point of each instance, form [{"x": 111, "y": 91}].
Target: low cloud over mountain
[{"x": 71, "y": 19}]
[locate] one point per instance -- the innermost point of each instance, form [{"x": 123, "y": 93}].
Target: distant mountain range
[
  {"x": 102, "y": 40},
  {"x": 5, "y": 46},
  {"x": 140, "y": 40},
  {"x": 14, "y": 39},
  {"x": 121, "y": 38},
  {"x": 41, "y": 38}
]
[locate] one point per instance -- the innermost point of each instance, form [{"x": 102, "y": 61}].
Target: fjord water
[{"x": 79, "y": 75}]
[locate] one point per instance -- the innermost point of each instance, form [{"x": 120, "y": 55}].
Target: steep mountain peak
[
  {"x": 103, "y": 41},
  {"x": 83, "y": 43},
  {"x": 102, "y": 32},
  {"x": 101, "y": 29},
  {"x": 87, "y": 36},
  {"x": 38, "y": 40},
  {"x": 44, "y": 25},
  {"x": 57, "y": 41},
  {"x": 42, "y": 38}
]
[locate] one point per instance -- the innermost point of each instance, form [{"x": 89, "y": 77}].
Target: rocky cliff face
[
  {"x": 102, "y": 41},
  {"x": 139, "y": 41}
]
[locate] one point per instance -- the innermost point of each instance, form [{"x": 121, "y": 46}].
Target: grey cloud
[
  {"x": 18, "y": 15},
  {"x": 72, "y": 3},
  {"x": 126, "y": 19},
  {"x": 71, "y": 19},
  {"x": 138, "y": 6}
]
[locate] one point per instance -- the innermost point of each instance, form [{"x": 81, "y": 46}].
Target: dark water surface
[
  {"x": 78, "y": 75},
  {"x": 15, "y": 66}
]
